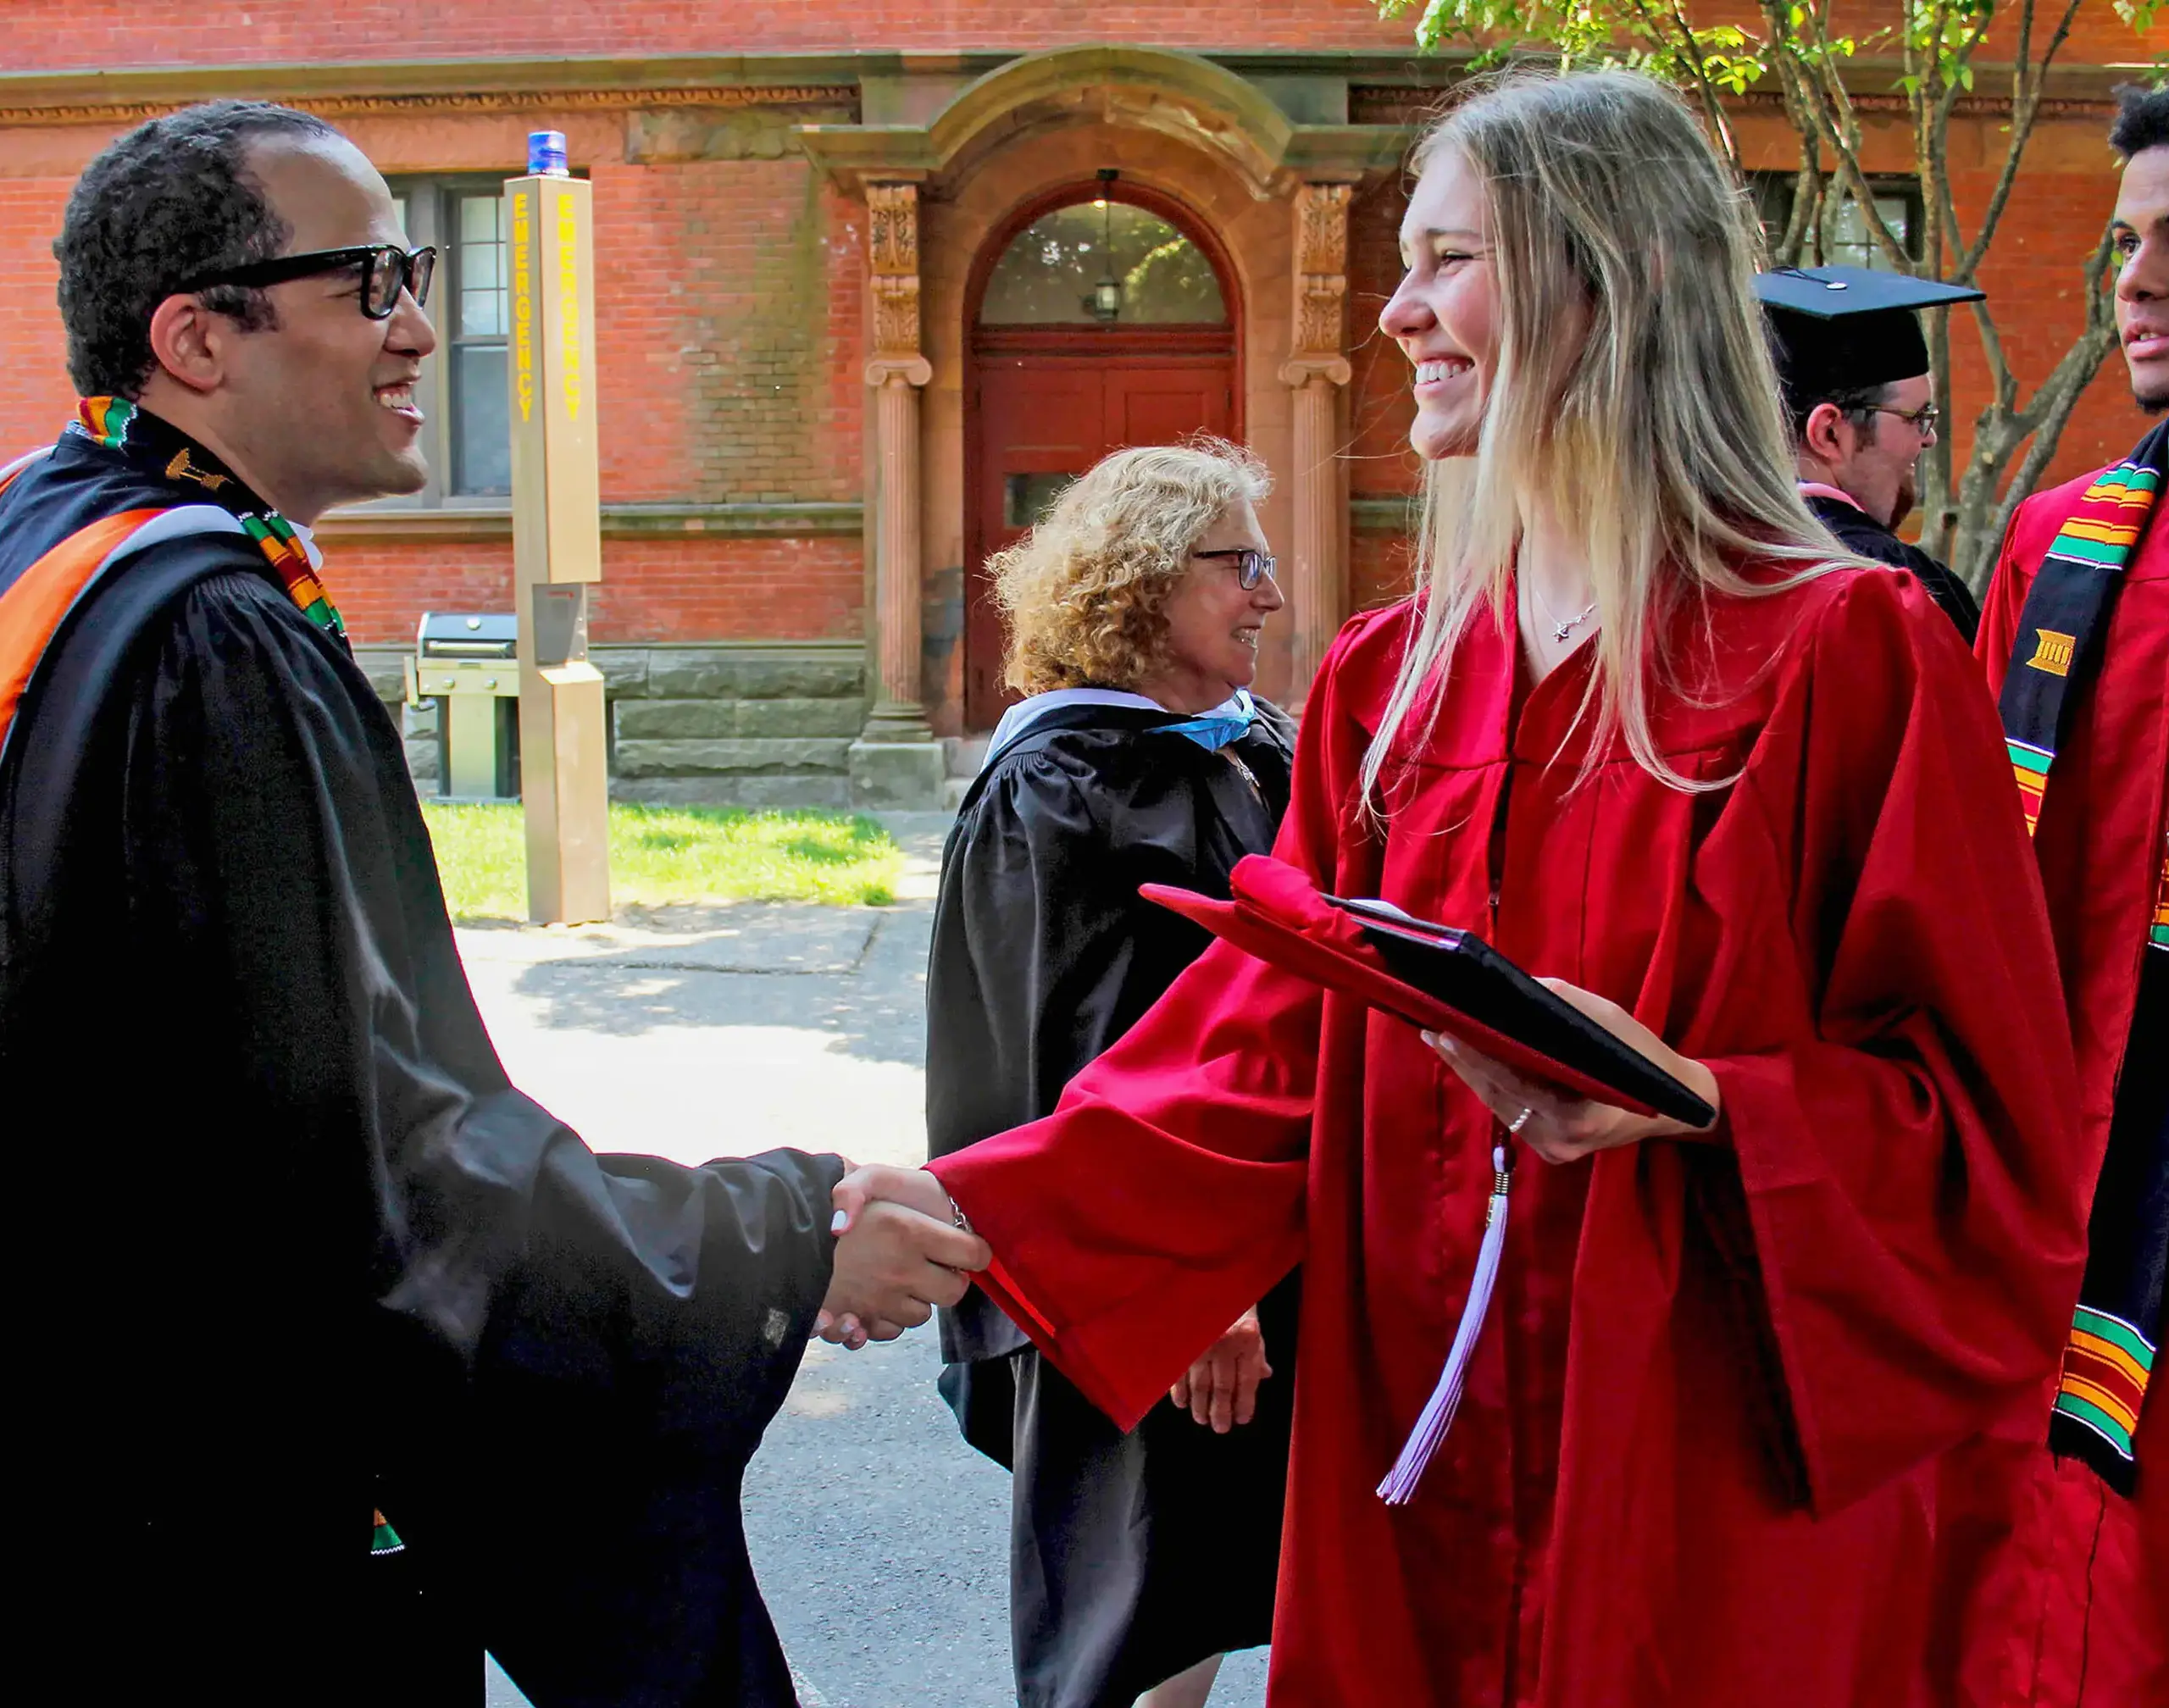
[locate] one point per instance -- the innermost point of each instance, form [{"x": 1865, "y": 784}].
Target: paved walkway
[{"x": 880, "y": 1538}]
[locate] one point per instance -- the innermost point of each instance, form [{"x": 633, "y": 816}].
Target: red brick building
[{"x": 847, "y": 256}]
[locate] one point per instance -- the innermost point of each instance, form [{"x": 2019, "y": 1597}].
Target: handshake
[{"x": 899, "y": 1252}]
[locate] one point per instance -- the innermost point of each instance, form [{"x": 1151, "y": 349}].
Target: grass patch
[{"x": 659, "y": 855}]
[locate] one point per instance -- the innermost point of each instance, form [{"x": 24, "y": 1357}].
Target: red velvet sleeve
[
  {"x": 2006, "y": 599},
  {"x": 1165, "y": 1195},
  {"x": 1900, "y": 1096}
]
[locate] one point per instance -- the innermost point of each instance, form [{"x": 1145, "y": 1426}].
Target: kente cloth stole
[
  {"x": 2108, "y": 1355},
  {"x": 151, "y": 443}
]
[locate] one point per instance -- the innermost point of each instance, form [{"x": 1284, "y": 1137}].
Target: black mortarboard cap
[{"x": 1846, "y": 329}]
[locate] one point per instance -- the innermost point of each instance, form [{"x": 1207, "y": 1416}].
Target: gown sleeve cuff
[{"x": 1001, "y": 1284}]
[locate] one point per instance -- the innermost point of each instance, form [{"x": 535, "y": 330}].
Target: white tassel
[{"x": 1400, "y": 1486}]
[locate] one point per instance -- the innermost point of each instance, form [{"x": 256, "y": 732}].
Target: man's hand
[
  {"x": 894, "y": 1260},
  {"x": 1221, "y": 1388}
]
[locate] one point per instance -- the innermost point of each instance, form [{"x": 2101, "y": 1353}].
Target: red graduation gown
[
  {"x": 1697, "y": 1460},
  {"x": 2100, "y": 1575}
]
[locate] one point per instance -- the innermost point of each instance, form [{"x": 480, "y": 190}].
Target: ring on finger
[{"x": 1521, "y": 1120}]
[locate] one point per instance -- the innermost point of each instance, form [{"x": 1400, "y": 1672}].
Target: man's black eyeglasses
[
  {"x": 1251, "y": 566},
  {"x": 386, "y": 269}
]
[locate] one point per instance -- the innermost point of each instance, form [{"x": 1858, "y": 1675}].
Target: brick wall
[
  {"x": 1379, "y": 406},
  {"x": 672, "y": 589},
  {"x": 727, "y": 322},
  {"x": 1381, "y": 567},
  {"x": 103, "y": 33},
  {"x": 106, "y": 33},
  {"x": 35, "y": 395}
]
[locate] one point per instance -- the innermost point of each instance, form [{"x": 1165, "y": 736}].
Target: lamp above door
[{"x": 1105, "y": 303}]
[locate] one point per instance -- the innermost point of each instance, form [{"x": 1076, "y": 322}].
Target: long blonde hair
[
  {"x": 1659, "y": 439},
  {"x": 1084, "y": 594}
]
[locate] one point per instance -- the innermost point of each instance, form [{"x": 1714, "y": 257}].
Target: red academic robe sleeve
[
  {"x": 1904, "y": 1134},
  {"x": 2000, "y": 614},
  {"x": 1196, "y": 1177}
]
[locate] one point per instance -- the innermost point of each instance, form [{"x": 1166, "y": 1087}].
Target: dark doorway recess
[{"x": 1052, "y": 386}]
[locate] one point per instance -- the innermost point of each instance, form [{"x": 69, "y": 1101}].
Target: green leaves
[
  {"x": 2140, "y": 15},
  {"x": 1657, "y": 37}
]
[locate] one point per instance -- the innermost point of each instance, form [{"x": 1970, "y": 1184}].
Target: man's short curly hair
[
  {"x": 162, "y": 206},
  {"x": 2142, "y": 120},
  {"x": 1084, "y": 594}
]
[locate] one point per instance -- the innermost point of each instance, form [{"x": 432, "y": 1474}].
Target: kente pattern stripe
[
  {"x": 2107, "y": 1362},
  {"x": 109, "y": 419},
  {"x": 2158, "y": 933},
  {"x": 2099, "y": 536},
  {"x": 2060, "y": 643},
  {"x": 106, "y": 419}
]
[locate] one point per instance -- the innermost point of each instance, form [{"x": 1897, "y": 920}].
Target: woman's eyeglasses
[
  {"x": 1251, "y": 566},
  {"x": 386, "y": 270}
]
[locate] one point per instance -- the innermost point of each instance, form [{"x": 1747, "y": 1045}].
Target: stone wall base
[
  {"x": 747, "y": 723},
  {"x": 905, "y": 774}
]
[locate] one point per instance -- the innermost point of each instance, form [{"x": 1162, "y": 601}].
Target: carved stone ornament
[
  {"x": 892, "y": 260},
  {"x": 895, "y": 315},
  {"x": 1322, "y": 228},
  {"x": 1321, "y": 212},
  {"x": 892, "y": 235},
  {"x": 1319, "y": 298}
]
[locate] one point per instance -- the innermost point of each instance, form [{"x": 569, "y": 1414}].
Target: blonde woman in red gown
[{"x": 1647, "y": 731}]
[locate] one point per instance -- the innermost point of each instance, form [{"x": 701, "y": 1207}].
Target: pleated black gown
[{"x": 1132, "y": 1556}]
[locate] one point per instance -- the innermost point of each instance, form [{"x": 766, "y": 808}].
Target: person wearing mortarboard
[{"x": 1854, "y": 370}]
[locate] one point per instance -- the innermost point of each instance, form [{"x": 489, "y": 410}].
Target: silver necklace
[{"x": 1559, "y": 630}]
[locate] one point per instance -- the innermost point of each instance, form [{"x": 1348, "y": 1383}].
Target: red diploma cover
[{"x": 1432, "y": 976}]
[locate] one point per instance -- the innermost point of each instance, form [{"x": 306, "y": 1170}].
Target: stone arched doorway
[{"x": 1102, "y": 314}]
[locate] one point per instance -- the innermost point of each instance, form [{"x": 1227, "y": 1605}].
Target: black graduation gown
[
  {"x": 1131, "y": 1557},
  {"x": 287, "y": 1247},
  {"x": 1860, "y": 533}
]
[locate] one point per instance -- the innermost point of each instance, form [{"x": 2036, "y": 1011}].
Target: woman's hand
[
  {"x": 899, "y": 1253},
  {"x": 1559, "y": 1127},
  {"x": 1221, "y": 1388}
]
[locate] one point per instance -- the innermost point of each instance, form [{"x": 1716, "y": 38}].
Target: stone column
[
  {"x": 1316, "y": 370},
  {"x": 895, "y": 762}
]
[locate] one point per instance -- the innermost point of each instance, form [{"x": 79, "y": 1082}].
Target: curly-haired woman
[{"x": 1137, "y": 756}]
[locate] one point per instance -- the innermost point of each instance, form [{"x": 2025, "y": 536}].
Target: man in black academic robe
[
  {"x": 289, "y": 1251},
  {"x": 1854, "y": 368}
]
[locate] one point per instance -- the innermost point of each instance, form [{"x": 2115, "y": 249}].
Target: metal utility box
[{"x": 467, "y": 662}]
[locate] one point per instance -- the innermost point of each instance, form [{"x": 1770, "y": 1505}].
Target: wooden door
[{"x": 1045, "y": 415}]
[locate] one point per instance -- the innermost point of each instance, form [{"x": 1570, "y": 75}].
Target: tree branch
[
  {"x": 2025, "y": 108},
  {"x": 1655, "y": 22},
  {"x": 2000, "y": 429},
  {"x": 1711, "y": 104},
  {"x": 1839, "y": 126}
]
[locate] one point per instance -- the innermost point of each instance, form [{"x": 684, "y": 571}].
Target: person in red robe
[
  {"x": 2095, "y": 1631},
  {"x": 1748, "y": 808}
]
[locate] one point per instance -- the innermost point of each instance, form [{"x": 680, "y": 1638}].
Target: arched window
[{"x": 1102, "y": 264}]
